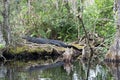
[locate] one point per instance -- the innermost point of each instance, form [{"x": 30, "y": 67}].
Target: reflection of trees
[
  {"x": 97, "y": 72},
  {"x": 115, "y": 70},
  {"x": 3, "y": 71}
]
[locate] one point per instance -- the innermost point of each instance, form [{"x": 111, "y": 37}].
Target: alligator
[{"x": 49, "y": 41}]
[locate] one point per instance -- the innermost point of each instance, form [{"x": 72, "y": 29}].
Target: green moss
[
  {"x": 16, "y": 50},
  {"x": 33, "y": 48},
  {"x": 22, "y": 49},
  {"x": 37, "y": 49}
]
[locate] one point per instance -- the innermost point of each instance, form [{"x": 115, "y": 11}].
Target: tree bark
[
  {"x": 113, "y": 53},
  {"x": 6, "y": 25},
  {"x": 29, "y": 7},
  {"x": 117, "y": 16},
  {"x": 2, "y": 41}
]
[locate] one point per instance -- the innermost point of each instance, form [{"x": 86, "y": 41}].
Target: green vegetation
[
  {"x": 2, "y": 46},
  {"x": 57, "y": 20}
]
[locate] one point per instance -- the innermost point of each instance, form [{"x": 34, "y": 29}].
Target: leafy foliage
[
  {"x": 99, "y": 17},
  {"x": 55, "y": 18}
]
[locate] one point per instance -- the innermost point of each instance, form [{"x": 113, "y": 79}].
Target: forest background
[{"x": 56, "y": 19}]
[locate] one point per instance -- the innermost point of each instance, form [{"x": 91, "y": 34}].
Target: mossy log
[{"x": 35, "y": 50}]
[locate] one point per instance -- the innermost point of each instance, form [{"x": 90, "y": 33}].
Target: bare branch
[{"x": 88, "y": 43}]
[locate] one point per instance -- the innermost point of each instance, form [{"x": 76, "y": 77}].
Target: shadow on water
[{"x": 21, "y": 71}]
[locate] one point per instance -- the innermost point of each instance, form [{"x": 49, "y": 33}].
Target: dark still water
[{"x": 22, "y": 71}]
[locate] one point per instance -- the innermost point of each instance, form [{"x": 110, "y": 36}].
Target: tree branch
[{"x": 88, "y": 43}]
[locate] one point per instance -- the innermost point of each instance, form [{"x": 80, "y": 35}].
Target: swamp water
[{"x": 19, "y": 71}]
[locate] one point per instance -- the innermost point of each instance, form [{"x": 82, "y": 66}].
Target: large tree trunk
[
  {"x": 2, "y": 41},
  {"x": 6, "y": 26},
  {"x": 113, "y": 53}
]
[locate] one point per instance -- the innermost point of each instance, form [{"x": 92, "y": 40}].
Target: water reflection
[
  {"x": 115, "y": 69},
  {"x": 3, "y": 71},
  {"x": 17, "y": 71},
  {"x": 96, "y": 72}
]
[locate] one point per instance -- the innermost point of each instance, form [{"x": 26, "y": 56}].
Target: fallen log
[
  {"x": 28, "y": 50},
  {"x": 49, "y": 41}
]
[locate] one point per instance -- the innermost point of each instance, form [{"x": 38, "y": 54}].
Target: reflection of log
[
  {"x": 43, "y": 67},
  {"x": 67, "y": 58},
  {"x": 66, "y": 62}
]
